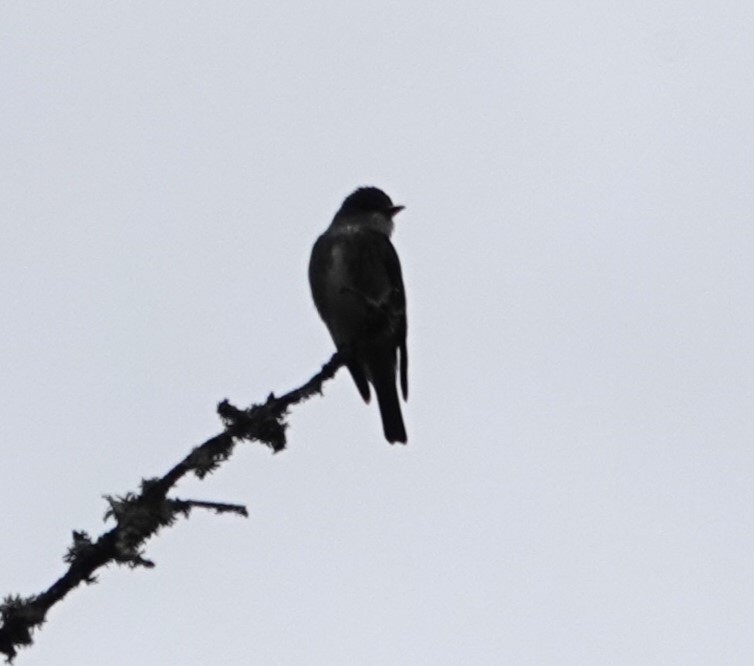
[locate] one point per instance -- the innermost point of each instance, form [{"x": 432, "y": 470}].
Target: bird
[{"x": 357, "y": 287}]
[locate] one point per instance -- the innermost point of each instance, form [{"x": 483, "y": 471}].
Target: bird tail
[
  {"x": 387, "y": 399},
  {"x": 392, "y": 419}
]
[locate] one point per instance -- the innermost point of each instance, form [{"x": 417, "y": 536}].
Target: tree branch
[{"x": 139, "y": 516}]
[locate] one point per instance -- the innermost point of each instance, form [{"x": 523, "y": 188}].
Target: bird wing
[
  {"x": 357, "y": 286},
  {"x": 396, "y": 304},
  {"x": 328, "y": 300}
]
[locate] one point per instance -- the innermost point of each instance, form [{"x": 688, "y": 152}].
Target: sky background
[{"x": 578, "y": 252}]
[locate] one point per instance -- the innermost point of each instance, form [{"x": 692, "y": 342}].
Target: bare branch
[{"x": 139, "y": 516}]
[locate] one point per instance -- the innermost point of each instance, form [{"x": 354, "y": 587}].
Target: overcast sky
[{"x": 578, "y": 252}]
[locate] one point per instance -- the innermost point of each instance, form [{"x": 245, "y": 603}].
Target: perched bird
[{"x": 357, "y": 286}]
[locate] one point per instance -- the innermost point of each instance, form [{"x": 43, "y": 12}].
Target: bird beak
[{"x": 394, "y": 210}]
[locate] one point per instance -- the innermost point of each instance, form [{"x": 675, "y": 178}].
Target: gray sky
[{"x": 578, "y": 251}]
